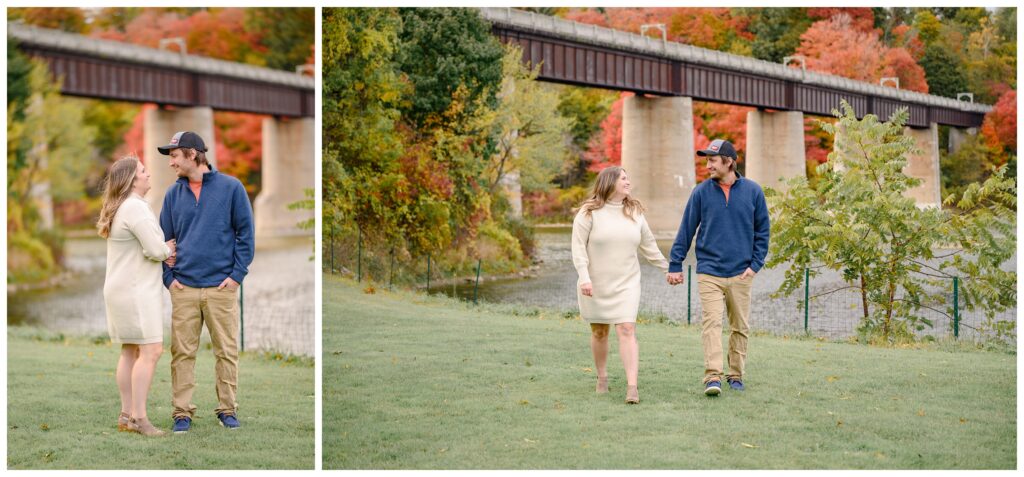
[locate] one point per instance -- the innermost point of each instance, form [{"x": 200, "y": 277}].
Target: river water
[
  {"x": 834, "y": 316},
  {"x": 278, "y": 309}
]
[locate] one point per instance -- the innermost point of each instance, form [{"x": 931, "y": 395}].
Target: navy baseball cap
[
  {"x": 719, "y": 147},
  {"x": 186, "y": 139}
]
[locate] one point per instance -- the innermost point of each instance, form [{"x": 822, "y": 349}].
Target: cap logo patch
[{"x": 714, "y": 147}]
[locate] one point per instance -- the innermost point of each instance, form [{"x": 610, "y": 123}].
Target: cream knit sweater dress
[
  {"x": 604, "y": 251},
  {"x": 133, "y": 289}
]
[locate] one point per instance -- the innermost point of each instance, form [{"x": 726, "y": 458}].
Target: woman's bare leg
[
  {"x": 142, "y": 377},
  {"x": 125, "y": 363}
]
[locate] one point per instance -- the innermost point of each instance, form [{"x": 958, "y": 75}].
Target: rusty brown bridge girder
[
  {"x": 85, "y": 74},
  {"x": 575, "y": 63}
]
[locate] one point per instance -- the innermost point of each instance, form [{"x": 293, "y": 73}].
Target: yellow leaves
[
  {"x": 588, "y": 370},
  {"x": 963, "y": 421},
  {"x": 920, "y": 412},
  {"x": 44, "y": 427},
  {"x": 524, "y": 402},
  {"x": 370, "y": 290},
  {"x": 749, "y": 446},
  {"x": 529, "y": 441},
  {"x": 832, "y": 379},
  {"x": 839, "y": 423}
]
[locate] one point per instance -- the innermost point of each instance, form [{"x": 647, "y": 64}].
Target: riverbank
[
  {"x": 62, "y": 404},
  {"x": 424, "y": 382}
]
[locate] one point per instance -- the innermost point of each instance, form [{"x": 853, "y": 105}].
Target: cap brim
[
  {"x": 166, "y": 150},
  {"x": 708, "y": 152}
]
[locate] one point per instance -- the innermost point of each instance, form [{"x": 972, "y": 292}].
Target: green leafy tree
[
  {"x": 531, "y": 132},
  {"x": 859, "y": 222},
  {"x": 361, "y": 95},
  {"x": 777, "y": 31},
  {"x": 286, "y": 33},
  {"x": 443, "y": 49},
  {"x": 943, "y": 71}
]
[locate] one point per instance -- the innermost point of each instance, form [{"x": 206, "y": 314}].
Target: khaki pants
[
  {"x": 218, "y": 309},
  {"x": 717, "y": 295}
]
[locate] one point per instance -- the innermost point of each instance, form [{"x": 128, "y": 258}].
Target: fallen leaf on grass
[
  {"x": 832, "y": 379},
  {"x": 920, "y": 412},
  {"x": 749, "y": 446},
  {"x": 524, "y": 402},
  {"x": 531, "y": 441},
  {"x": 588, "y": 370},
  {"x": 443, "y": 450},
  {"x": 839, "y": 423},
  {"x": 369, "y": 290},
  {"x": 963, "y": 421},
  {"x": 44, "y": 427}
]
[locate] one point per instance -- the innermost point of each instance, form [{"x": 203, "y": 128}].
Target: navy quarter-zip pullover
[
  {"x": 215, "y": 236},
  {"x": 732, "y": 235}
]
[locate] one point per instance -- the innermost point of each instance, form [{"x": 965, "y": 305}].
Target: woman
[
  {"x": 608, "y": 230},
  {"x": 133, "y": 289}
]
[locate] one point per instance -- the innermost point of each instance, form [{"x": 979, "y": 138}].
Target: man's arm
[
  {"x": 167, "y": 225},
  {"x": 245, "y": 242},
  {"x": 762, "y": 231},
  {"x": 687, "y": 227}
]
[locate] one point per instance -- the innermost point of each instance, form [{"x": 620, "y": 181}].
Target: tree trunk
[{"x": 864, "y": 296}]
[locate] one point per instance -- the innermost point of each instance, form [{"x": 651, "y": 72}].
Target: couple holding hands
[
  {"x": 200, "y": 250},
  {"x": 731, "y": 245}
]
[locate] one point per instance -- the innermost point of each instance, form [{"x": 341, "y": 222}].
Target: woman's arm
[
  {"x": 580, "y": 236},
  {"x": 649, "y": 247},
  {"x": 143, "y": 226}
]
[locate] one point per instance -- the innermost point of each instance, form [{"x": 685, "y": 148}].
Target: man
[
  {"x": 209, "y": 215},
  {"x": 731, "y": 246}
]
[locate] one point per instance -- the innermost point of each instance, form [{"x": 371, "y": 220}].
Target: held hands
[
  {"x": 587, "y": 289},
  {"x": 228, "y": 283},
  {"x": 675, "y": 278},
  {"x": 171, "y": 260}
]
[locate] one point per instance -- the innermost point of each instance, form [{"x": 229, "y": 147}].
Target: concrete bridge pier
[
  {"x": 957, "y": 137},
  {"x": 658, "y": 155},
  {"x": 775, "y": 147},
  {"x": 925, "y": 166},
  {"x": 287, "y": 171},
  {"x": 159, "y": 125}
]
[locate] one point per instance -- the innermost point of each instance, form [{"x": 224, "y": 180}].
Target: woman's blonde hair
[
  {"x": 604, "y": 187},
  {"x": 116, "y": 189}
]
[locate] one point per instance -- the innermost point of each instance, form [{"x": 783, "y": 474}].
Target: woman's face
[
  {"x": 622, "y": 186},
  {"x": 141, "y": 182}
]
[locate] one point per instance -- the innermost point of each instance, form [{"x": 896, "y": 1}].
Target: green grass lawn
[
  {"x": 62, "y": 406},
  {"x": 416, "y": 382}
]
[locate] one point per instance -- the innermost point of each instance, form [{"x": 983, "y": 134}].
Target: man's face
[
  {"x": 718, "y": 166},
  {"x": 180, "y": 162}
]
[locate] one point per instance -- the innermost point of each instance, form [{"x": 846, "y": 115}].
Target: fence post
[
  {"x": 332, "y": 247},
  {"x": 476, "y": 287},
  {"x": 359, "y": 263},
  {"x": 241, "y": 317},
  {"x": 428, "y": 274},
  {"x": 807, "y": 293},
  {"x": 689, "y": 287},
  {"x": 391, "y": 274},
  {"x": 956, "y": 307}
]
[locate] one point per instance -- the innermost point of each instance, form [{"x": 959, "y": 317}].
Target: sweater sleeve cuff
[
  {"x": 756, "y": 267},
  {"x": 675, "y": 267},
  {"x": 237, "y": 276},
  {"x": 584, "y": 275}
]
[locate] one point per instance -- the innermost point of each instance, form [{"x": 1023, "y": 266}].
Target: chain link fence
[{"x": 824, "y": 306}]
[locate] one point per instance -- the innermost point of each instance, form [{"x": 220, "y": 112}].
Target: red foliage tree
[
  {"x": 1000, "y": 125},
  {"x": 835, "y": 46},
  {"x": 862, "y": 19}
]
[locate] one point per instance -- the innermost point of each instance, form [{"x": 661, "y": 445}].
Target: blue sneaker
[
  {"x": 735, "y": 384},
  {"x": 712, "y": 388},
  {"x": 182, "y": 425},
  {"x": 228, "y": 420}
]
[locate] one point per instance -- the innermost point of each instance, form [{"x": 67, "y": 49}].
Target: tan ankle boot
[
  {"x": 602, "y": 385},
  {"x": 123, "y": 422},
  {"x": 144, "y": 427},
  {"x": 632, "y": 395}
]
